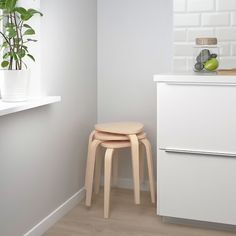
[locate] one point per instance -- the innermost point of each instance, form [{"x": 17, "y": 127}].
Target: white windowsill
[{"x": 13, "y": 107}]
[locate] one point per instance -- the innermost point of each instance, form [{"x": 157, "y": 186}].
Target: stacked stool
[{"x": 112, "y": 136}]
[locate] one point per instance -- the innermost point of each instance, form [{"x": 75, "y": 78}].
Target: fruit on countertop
[{"x": 211, "y": 64}]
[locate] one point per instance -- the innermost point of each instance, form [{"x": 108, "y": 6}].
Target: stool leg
[
  {"x": 97, "y": 175},
  {"x": 107, "y": 181},
  {"x": 115, "y": 168},
  {"x": 89, "y": 146},
  {"x": 141, "y": 162},
  {"x": 90, "y": 171},
  {"x": 135, "y": 164},
  {"x": 150, "y": 168}
]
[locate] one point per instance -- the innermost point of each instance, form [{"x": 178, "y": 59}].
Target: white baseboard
[
  {"x": 128, "y": 184},
  {"x": 56, "y": 215}
]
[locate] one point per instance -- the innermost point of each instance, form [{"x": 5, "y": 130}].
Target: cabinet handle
[
  {"x": 198, "y": 152},
  {"x": 201, "y": 83}
]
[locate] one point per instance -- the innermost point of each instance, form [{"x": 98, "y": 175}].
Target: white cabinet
[{"x": 196, "y": 141}]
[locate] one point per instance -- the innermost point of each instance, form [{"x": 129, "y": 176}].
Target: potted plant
[{"x": 16, "y": 36}]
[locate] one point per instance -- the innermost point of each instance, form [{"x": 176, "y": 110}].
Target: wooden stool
[
  {"x": 99, "y": 159},
  {"x": 133, "y": 137},
  {"x": 129, "y": 129}
]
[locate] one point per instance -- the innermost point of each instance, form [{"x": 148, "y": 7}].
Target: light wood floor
[{"x": 126, "y": 219}]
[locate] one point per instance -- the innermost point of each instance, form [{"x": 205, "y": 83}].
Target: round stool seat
[
  {"x": 115, "y": 137},
  {"x": 120, "y": 127},
  {"x": 116, "y": 144}
]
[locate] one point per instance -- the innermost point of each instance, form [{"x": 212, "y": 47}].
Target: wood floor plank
[{"x": 126, "y": 219}]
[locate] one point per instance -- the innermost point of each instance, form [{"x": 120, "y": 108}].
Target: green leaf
[
  {"x": 11, "y": 33},
  {"x": 10, "y": 5},
  {"x": 26, "y": 16},
  {"x": 26, "y": 48},
  {"x": 33, "y": 11},
  {"x": 30, "y": 56},
  {"x": 20, "y": 10},
  {"x": 4, "y": 64},
  {"x": 6, "y": 55},
  {"x": 27, "y": 26},
  {"x": 29, "y": 32},
  {"x": 2, "y": 4},
  {"x": 32, "y": 40},
  {"x": 21, "y": 53}
]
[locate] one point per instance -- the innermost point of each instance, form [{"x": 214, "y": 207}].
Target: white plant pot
[{"x": 15, "y": 85}]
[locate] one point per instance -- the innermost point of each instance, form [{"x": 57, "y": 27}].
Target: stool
[
  {"x": 115, "y": 137},
  {"x": 129, "y": 129},
  {"x": 121, "y": 135}
]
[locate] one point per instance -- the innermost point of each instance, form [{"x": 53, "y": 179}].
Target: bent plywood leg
[
  {"x": 90, "y": 171},
  {"x": 107, "y": 181},
  {"x": 141, "y": 163},
  {"x": 115, "y": 168},
  {"x": 98, "y": 169},
  {"x": 135, "y": 164},
  {"x": 150, "y": 168},
  {"x": 89, "y": 147}
]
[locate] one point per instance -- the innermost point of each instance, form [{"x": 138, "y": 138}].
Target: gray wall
[
  {"x": 43, "y": 151},
  {"x": 134, "y": 42}
]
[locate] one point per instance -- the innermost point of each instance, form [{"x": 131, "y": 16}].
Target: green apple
[{"x": 211, "y": 64}]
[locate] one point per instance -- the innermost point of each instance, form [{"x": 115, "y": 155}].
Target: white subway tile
[
  {"x": 179, "y": 64},
  {"x": 200, "y": 5},
  {"x": 227, "y": 62},
  {"x": 225, "y": 5},
  {"x": 233, "y": 18},
  {"x": 225, "y": 49},
  {"x": 186, "y": 19},
  {"x": 179, "y": 35},
  {"x": 226, "y": 34},
  {"x": 216, "y": 19},
  {"x": 193, "y": 33},
  {"x": 183, "y": 49},
  {"x": 179, "y": 5}
]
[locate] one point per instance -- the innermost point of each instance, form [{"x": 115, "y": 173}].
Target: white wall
[
  {"x": 134, "y": 42},
  {"x": 204, "y": 18},
  {"x": 43, "y": 151}
]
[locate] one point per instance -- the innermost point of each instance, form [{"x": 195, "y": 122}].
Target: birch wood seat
[
  {"x": 116, "y": 137},
  {"x": 124, "y": 128}
]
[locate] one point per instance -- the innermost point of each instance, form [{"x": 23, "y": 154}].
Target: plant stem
[{"x": 18, "y": 39}]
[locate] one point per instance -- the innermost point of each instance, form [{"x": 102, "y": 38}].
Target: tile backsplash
[{"x": 204, "y": 18}]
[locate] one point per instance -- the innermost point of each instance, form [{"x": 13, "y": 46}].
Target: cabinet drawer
[
  {"x": 197, "y": 187},
  {"x": 197, "y": 116}
]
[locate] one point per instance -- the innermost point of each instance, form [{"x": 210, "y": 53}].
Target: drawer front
[
  {"x": 197, "y": 187},
  {"x": 198, "y": 117}
]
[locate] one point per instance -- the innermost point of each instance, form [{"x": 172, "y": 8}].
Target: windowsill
[{"x": 13, "y": 107}]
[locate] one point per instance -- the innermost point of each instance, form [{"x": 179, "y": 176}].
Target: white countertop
[
  {"x": 191, "y": 77},
  {"x": 13, "y": 107}
]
